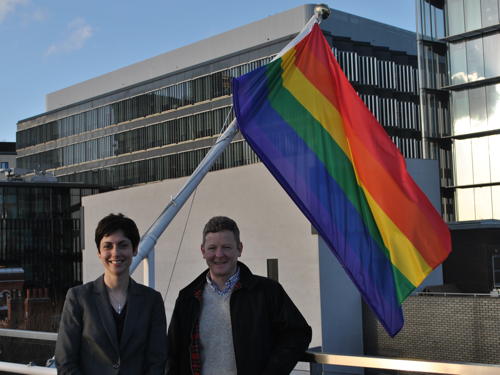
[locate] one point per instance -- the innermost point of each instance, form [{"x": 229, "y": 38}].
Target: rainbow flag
[{"x": 304, "y": 120}]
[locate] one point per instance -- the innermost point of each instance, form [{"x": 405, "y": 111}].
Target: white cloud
[
  {"x": 9, "y": 6},
  {"x": 79, "y": 32}
]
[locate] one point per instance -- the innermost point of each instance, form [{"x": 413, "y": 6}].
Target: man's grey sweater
[{"x": 216, "y": 337}]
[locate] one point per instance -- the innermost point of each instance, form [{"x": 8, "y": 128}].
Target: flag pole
[{"x": 149, "y": 239}]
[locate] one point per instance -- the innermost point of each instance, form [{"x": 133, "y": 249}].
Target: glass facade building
[
  {"x": 459, "y": 58},
  {"x": 162, "y": 127},
  {"x": 40, "y": 231}
]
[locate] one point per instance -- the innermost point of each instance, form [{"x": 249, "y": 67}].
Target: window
[
  {"x": 472, "y": 15},
  {"x": 458, "y": 63},
  {"x": 489, "y": 12},
  {"x": 492, "y": 55},
  {"x": 455, "y": 17},
  {"x": 475, "y": 62},
  {"x": 460, "y": 107}
]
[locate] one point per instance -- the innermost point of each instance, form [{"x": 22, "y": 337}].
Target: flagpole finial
[{"x": 322, "y": 11}]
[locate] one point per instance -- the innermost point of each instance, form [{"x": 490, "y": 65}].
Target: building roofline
[
  {"x": 258, "y": 33},
  {"x": 474, "y": 224},
  {"x": 246, "y": 36},
  {"x": 55, "y": 184}
]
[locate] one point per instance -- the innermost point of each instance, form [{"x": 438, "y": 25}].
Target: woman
[{"x": 113, "y": 325}]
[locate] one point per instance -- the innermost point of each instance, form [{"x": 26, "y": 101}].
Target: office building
[
  {"x": 459, "y": 60},
  {"x": 459, "y": 57},
  {"x": 156, "y": 119},
  {"x": 40, "y": 232}
]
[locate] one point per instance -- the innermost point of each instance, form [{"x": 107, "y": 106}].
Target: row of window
[
  {"x": 480, "y": 203},
  {"x": 476, "y": 160},
  {"x": 435, "y": 150},
  {"x": 183, "y": 164},
  {"x": 436, "y": 116},
  {"x": 444, "y": 155},
  {"x": 168, "y": 98},
  {"x": 165, "y": 167},
  {"x": 476, "y": 110},
  {"x": 363, "y": 70},
  {"x": 434, "y": 67},
  {"x": 430, "y": 20},
  {"x": 203, "y": 124},
  {"x": 469, "y": 15},
  {"x": 409, "y": 147},
  {"x": 391, "y": 112},
  {"x": 40, "y": 232},
  {"x": 371, "y": 71},
  {"x": 388, "y": 111},
  {"x": 34, "y": 202},
  {"x": 45, "y": 249},
  {"x": 475, "y": 59}
]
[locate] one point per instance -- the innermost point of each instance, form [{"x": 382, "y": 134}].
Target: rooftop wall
[
  {"x": 277, "y": 230},
  {"x": 440, "y": 328}
]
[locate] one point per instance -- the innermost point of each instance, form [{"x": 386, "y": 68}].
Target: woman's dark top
[{"x": 119, "y": 320}]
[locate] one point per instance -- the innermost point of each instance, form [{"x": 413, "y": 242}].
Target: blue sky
[{"x": 52, "y": 44}]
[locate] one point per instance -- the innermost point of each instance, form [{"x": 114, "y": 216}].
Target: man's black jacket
[{"x": 269, "y": 333}]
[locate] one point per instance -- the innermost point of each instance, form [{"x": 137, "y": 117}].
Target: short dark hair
[
  {"x": 220, "y": 223},
  {"x": 115, "y": 222}
]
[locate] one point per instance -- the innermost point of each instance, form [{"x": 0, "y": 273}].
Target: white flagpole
[{"x": 148, "y": 241}]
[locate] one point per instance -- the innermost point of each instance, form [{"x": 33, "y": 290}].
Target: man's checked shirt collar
[{"x": 228, "y": 285}]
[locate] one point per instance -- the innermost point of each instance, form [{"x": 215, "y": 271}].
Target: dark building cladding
[
  {"x": 474, "y": 264},
  {"x": 40, "y": 232},
  {"x": 7, "y": 147},
  {"x": 161, "y": 128}
]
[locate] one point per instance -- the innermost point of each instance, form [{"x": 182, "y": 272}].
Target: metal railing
[
  {"x": 18, "y": 368},
  {"x": 402, "y": 364},
  {"x": 455, "y": 294},
  {"x": 26, "y": 334},
  {"x": 310, "y": 357}
]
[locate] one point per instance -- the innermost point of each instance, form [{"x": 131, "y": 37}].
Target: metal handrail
[
  {"x": 310, "y": 356},
  {"x": 402, "y": 364},
  {"x": 18, "y": 368},
  {"x": 452, "y": 294},
  {"x": 26, "y": 334}
]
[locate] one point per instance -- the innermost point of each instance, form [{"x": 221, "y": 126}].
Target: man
[{"x": 231, "y": 322}]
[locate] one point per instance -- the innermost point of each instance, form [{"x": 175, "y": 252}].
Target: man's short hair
[
  {"x": 220, "y": 223},
  {"x": 115, "y": 222}
]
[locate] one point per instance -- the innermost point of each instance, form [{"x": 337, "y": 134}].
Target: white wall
[{"x": 271, "y": 227}]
